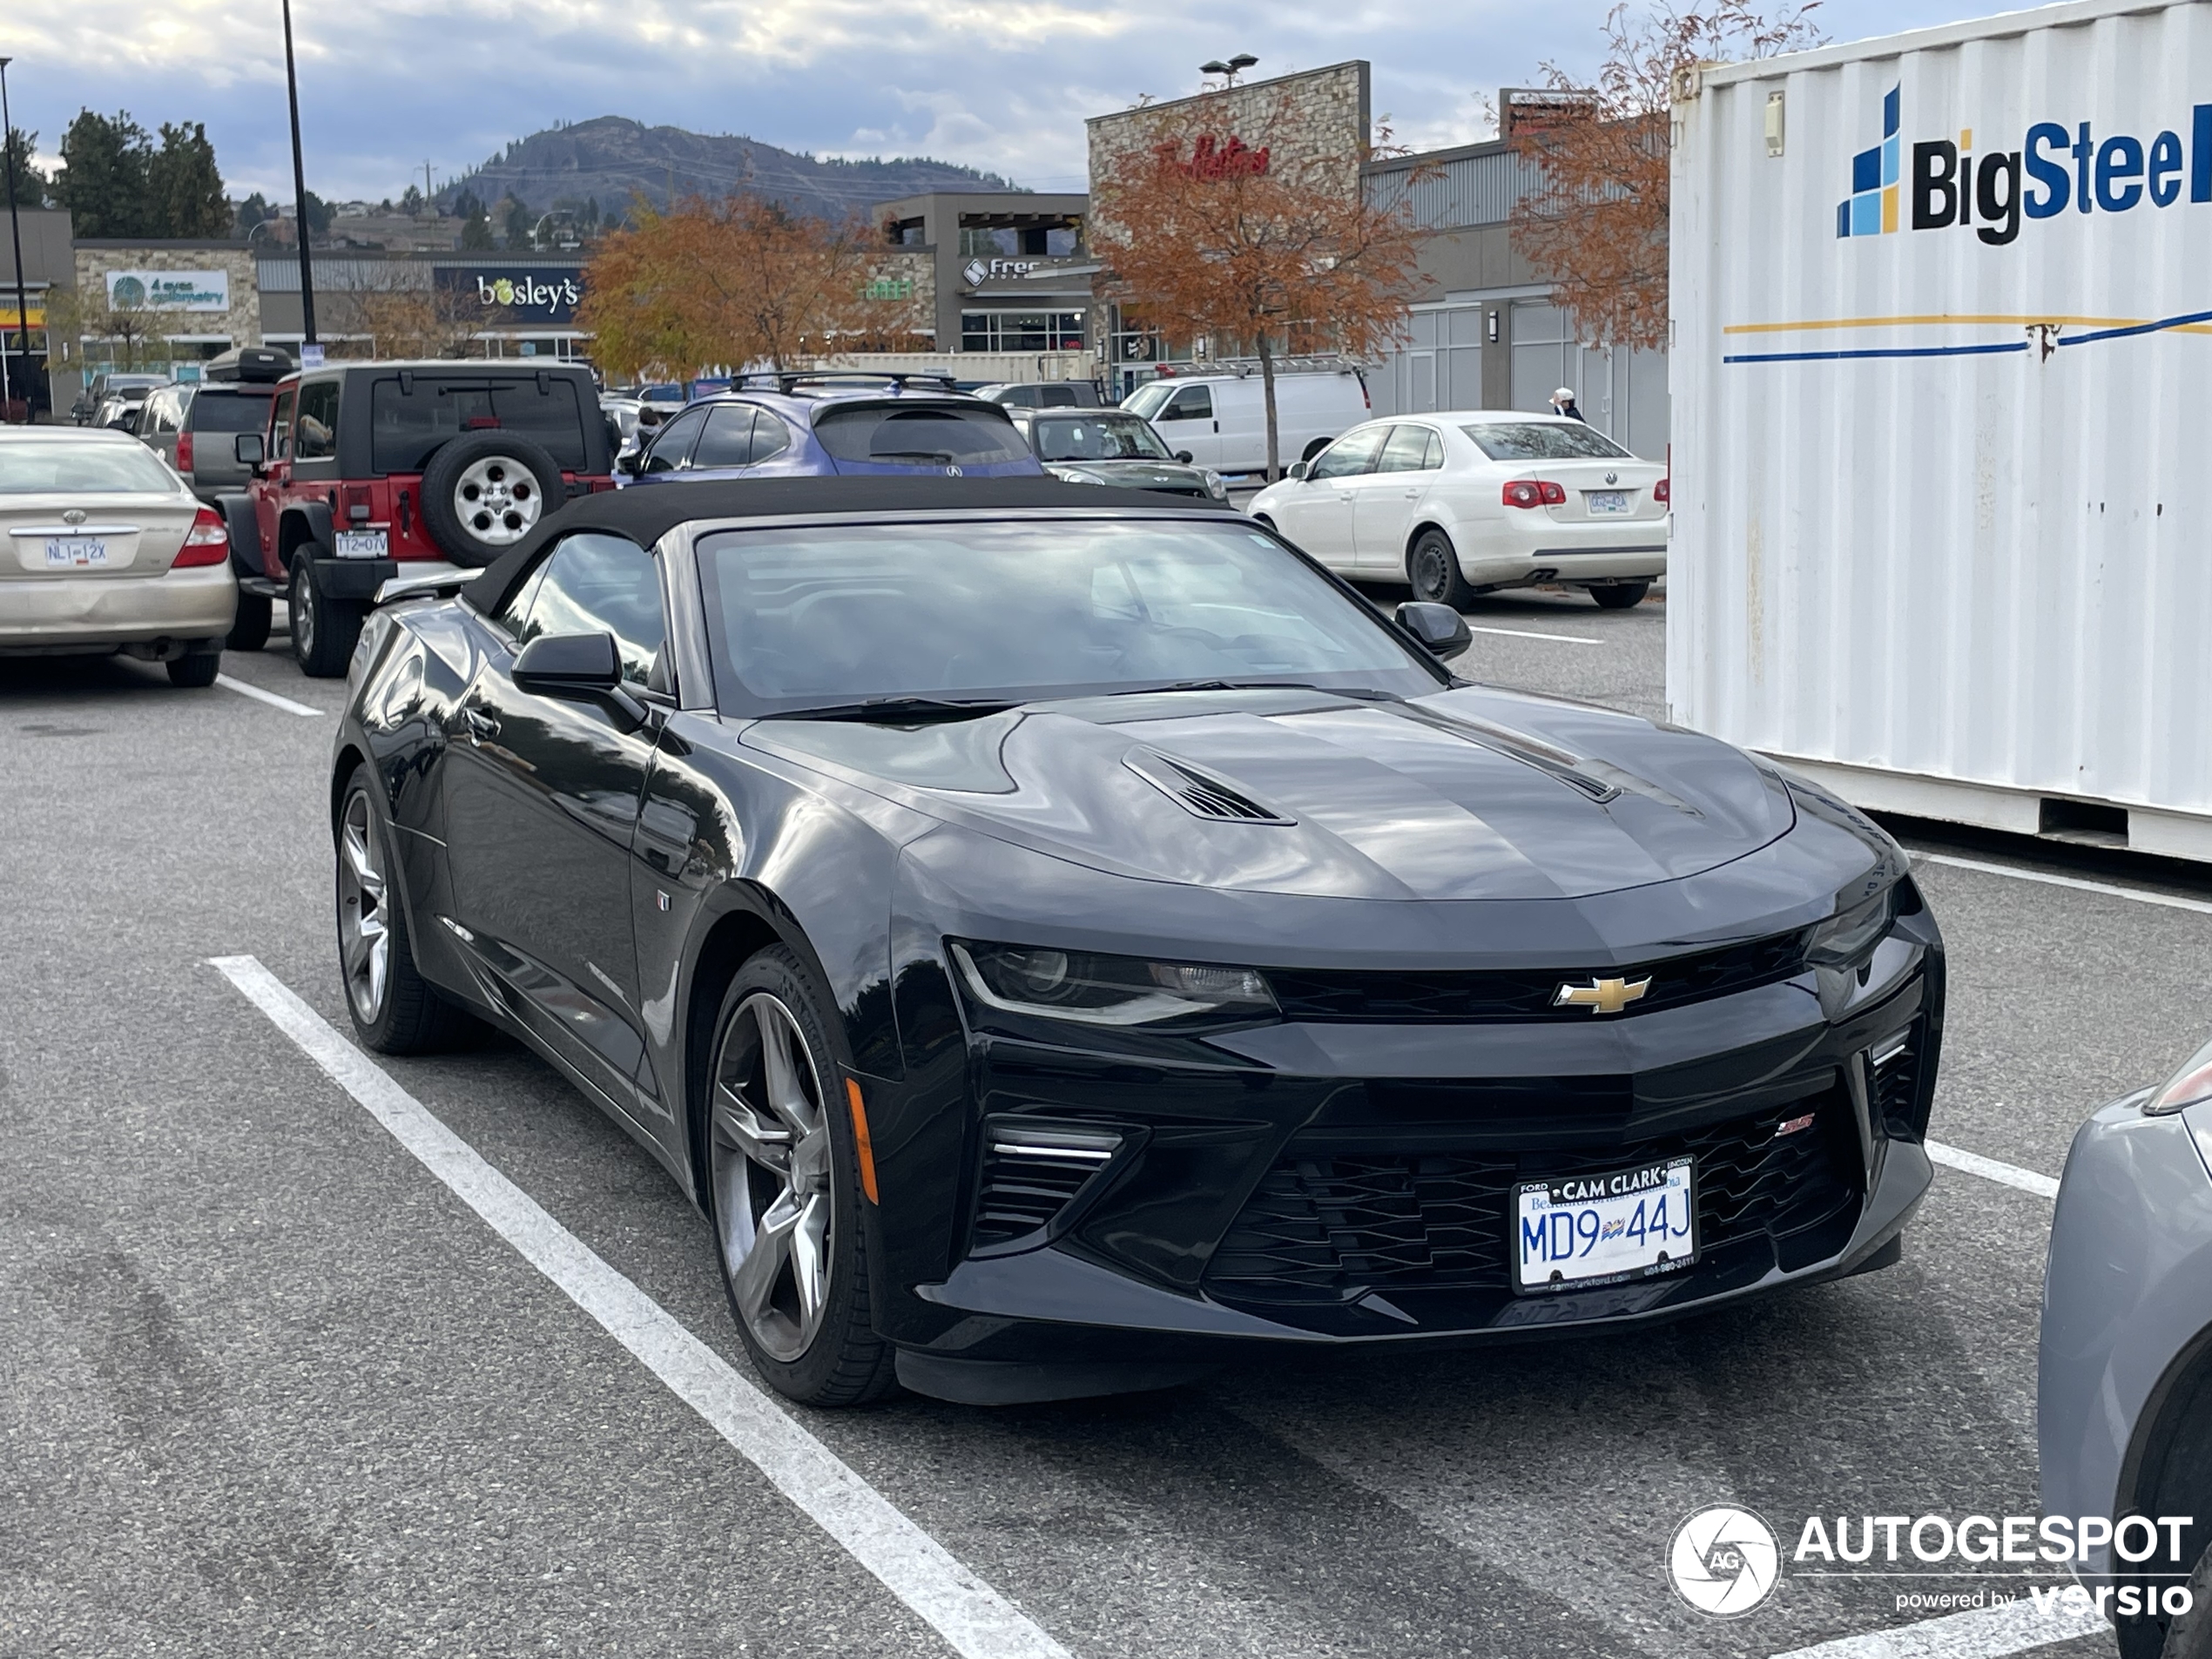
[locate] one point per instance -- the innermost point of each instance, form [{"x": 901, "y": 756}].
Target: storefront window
[{"x": 1020, "y": 331}]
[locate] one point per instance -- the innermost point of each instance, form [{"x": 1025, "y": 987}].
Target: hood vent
[{"x": 1199, "y": 793}]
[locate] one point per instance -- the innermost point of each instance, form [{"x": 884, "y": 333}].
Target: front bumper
[
  {"x": 107, "y": 613},
  {"x": 2126, "y": 1291},
  {"x": 1350, "y": 1184}
]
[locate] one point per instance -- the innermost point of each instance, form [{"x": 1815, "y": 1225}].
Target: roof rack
[
  {"x": 1245, "y": 368},
  {"x": 789, "y": 380}
]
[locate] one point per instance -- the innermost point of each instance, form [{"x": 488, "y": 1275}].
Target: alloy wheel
[
  {"x": 364, "y": 935},
  {"x": 774, "y": 1199},
  {"x": 498, "y": 499},
  {"x": 302, "y": 607}
]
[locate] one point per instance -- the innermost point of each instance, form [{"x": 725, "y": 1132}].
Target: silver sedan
[
  {"x": 103, "y": 549},
  {"x": 2125, "y": 1395}
]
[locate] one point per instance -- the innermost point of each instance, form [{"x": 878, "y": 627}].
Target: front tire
[
  {"x": 395, "y": 1009},
  {"x": 783, "y": 1190},
  {"x": 323, "y": 630},
  {"x": 1621, "y": 596},
  {"x": 1432, "y": 570}
]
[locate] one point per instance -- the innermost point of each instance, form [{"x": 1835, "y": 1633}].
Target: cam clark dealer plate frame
[{"x": 1576, "y": 1232}]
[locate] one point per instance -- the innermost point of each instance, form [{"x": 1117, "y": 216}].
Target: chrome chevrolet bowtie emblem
[{"x": 1601, "y": 995}]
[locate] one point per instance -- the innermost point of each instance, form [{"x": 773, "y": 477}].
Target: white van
[{"x": 1220, "y": 419}]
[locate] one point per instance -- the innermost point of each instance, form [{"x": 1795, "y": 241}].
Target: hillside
[{"x": 611, "y": 158}]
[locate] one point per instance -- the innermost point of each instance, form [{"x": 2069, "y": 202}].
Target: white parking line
[
  {"x": 967, "y": 1613},
  {"x": 1990, "y": 1169},
  {"x": 1984, "y": 1633},
  {"x": 1527, "y": 633},
  {"x": 2201, "y": 907},
  {"x": 261, "y": 696}
]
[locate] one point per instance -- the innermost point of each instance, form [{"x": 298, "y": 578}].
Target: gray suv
[{"x": 193, "y": 429}]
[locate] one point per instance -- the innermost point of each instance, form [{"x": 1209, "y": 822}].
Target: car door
[
  {"x": 276, "y": 469},
  {"x": 541, "y": 803},
  {"x": 311, "y": 466},
  {"x": 1386, "y": 500},
  {"x": 1188, "y": 425},
  {"x": 724, "y": 448},
  {"x": 1320, "y": 519},
  {"x": 670, "y": 450}
]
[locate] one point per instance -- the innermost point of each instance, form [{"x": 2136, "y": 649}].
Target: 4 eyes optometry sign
[{"x": 2055, "y": 167}]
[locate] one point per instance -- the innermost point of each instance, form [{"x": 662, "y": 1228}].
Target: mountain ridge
[{"x": 611, "y": 158}]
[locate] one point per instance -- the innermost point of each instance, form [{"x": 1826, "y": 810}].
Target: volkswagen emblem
[
  {"x": 1612, "y": 477},
  {"x": 74, "y": 516},
  {"x": 952, "y": 472}
]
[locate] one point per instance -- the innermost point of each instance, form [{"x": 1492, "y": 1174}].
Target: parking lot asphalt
[{"x": 268, "y": 1387}]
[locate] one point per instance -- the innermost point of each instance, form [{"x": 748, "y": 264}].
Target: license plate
[
  {"x": 1605, "y": 1229},
  {"x": 1607, "y": 501},
  {"x": 361, "y": 544},
  {"x": 75, "y": 553}
]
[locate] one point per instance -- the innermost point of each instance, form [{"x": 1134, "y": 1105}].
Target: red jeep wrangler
[{"x": 372, "y": 470}]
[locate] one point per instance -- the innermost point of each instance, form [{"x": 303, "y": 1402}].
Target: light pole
[
  {"x": 1230, "y": 70},
  {"x": 15, "y": 235},
  {"x": 299, "y": 197}
]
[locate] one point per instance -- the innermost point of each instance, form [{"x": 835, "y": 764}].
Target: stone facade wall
[
  {"x": 1316, "y": 125},
  {"x": 242, "y": 322}
]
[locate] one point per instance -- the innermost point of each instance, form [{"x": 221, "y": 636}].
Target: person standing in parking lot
[{"x": 1563, "y": 402}]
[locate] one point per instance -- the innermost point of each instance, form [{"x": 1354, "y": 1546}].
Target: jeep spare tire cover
[{"x": 484, "y": 491}]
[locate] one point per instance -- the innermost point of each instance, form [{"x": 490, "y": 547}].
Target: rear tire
[
  {"x": 1621, "y": 596},
  {"x": 1432, "y": 569},
  {"x": 250, "y": 629},
  {"x": 783, "y": 1190},
  {"x": 323, "y": 631},
  {"x": 393, "y": 1007},
  {"x": 195, "y": 669}
]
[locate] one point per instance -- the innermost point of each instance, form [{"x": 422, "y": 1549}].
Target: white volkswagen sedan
[
  {"x": 1461, "y": 504},
  {"x": 102, "y": 549}
]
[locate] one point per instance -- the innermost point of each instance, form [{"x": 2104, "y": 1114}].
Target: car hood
[
  {"x": 1471, "y": 793},
  {"x": 1138, "y": 475}
]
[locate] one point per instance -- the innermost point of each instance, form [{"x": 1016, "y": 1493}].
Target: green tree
[
  {"x": 184, "y": 190},
  {"x": 476, "y": 224},
  {"x": 410, "y": 200},
  {"x": 316, "y": 213},
  {"x": 254, "y": 210},
  {"x": 518, "y": 221},
  {"x": 30, "y": 183},
  {"x": 103, "y": 178}
]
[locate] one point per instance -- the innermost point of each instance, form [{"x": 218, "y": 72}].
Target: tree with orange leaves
[
  {"x": 726, "y": 284},
  {"x": 1217, "y": 223},
  {"x": 1595, "y": 227}
]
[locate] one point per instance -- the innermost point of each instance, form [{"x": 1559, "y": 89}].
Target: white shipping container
[{"x": 1943, "y": 496}]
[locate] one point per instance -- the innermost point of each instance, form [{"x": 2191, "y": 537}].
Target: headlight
[
  {"x": 2190, "y": 1086},
  {"x": 1109, "y": 990},
  {"x": 1214, "y": 483},
  {"x": 1845, "y": 938},
  {"x": 1069, "y": 475}
]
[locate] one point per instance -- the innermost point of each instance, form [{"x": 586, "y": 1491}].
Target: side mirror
[
  {"x": 250, "y": 448},
  {"x": 1441, "y": 631},
  {"x": 568, "y": 664},
  {"x": 1298, "y": 470},
  {"x": 1183, "y": 456},
  {"x": 631, "y": 464}
]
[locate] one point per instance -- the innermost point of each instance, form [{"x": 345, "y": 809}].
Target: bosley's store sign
[{"x": 547, "y": 294}]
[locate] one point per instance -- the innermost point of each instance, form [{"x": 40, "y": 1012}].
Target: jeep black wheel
[
  {"x": 484, "y": 491},
  {"x": 250, "y": 628},
  {"x": 323, "y": 630}
]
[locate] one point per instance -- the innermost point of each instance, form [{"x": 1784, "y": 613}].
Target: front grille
[
  {"x": 1530, "y": 994},
  {"x": 1895, "y": 1064},
  {"x": 1327, "y": 1228}
]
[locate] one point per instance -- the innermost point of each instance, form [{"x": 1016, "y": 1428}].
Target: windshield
[
  {"x": 1544, "y": 440},
  {"x": 1147, "y": 398},
  {"x": 1018, "y": 611},
  {"x": 58, "y": 467},
  {"x": 1099, "y": 438},
  {"x": 931, "y": 434},
  {"x": 410, "y": 418}
]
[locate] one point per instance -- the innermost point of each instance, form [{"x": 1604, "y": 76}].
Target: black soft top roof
[{"x": 646, "y": 513}]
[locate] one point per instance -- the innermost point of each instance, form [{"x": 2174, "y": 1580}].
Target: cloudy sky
[{"x": 1002, "y": 85}]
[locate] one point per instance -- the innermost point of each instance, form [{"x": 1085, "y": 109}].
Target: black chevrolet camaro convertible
[{"x": 1063, "y": 945}]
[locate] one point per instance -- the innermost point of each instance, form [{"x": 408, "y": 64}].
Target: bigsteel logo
[{"x": 2056, "y": 169}]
